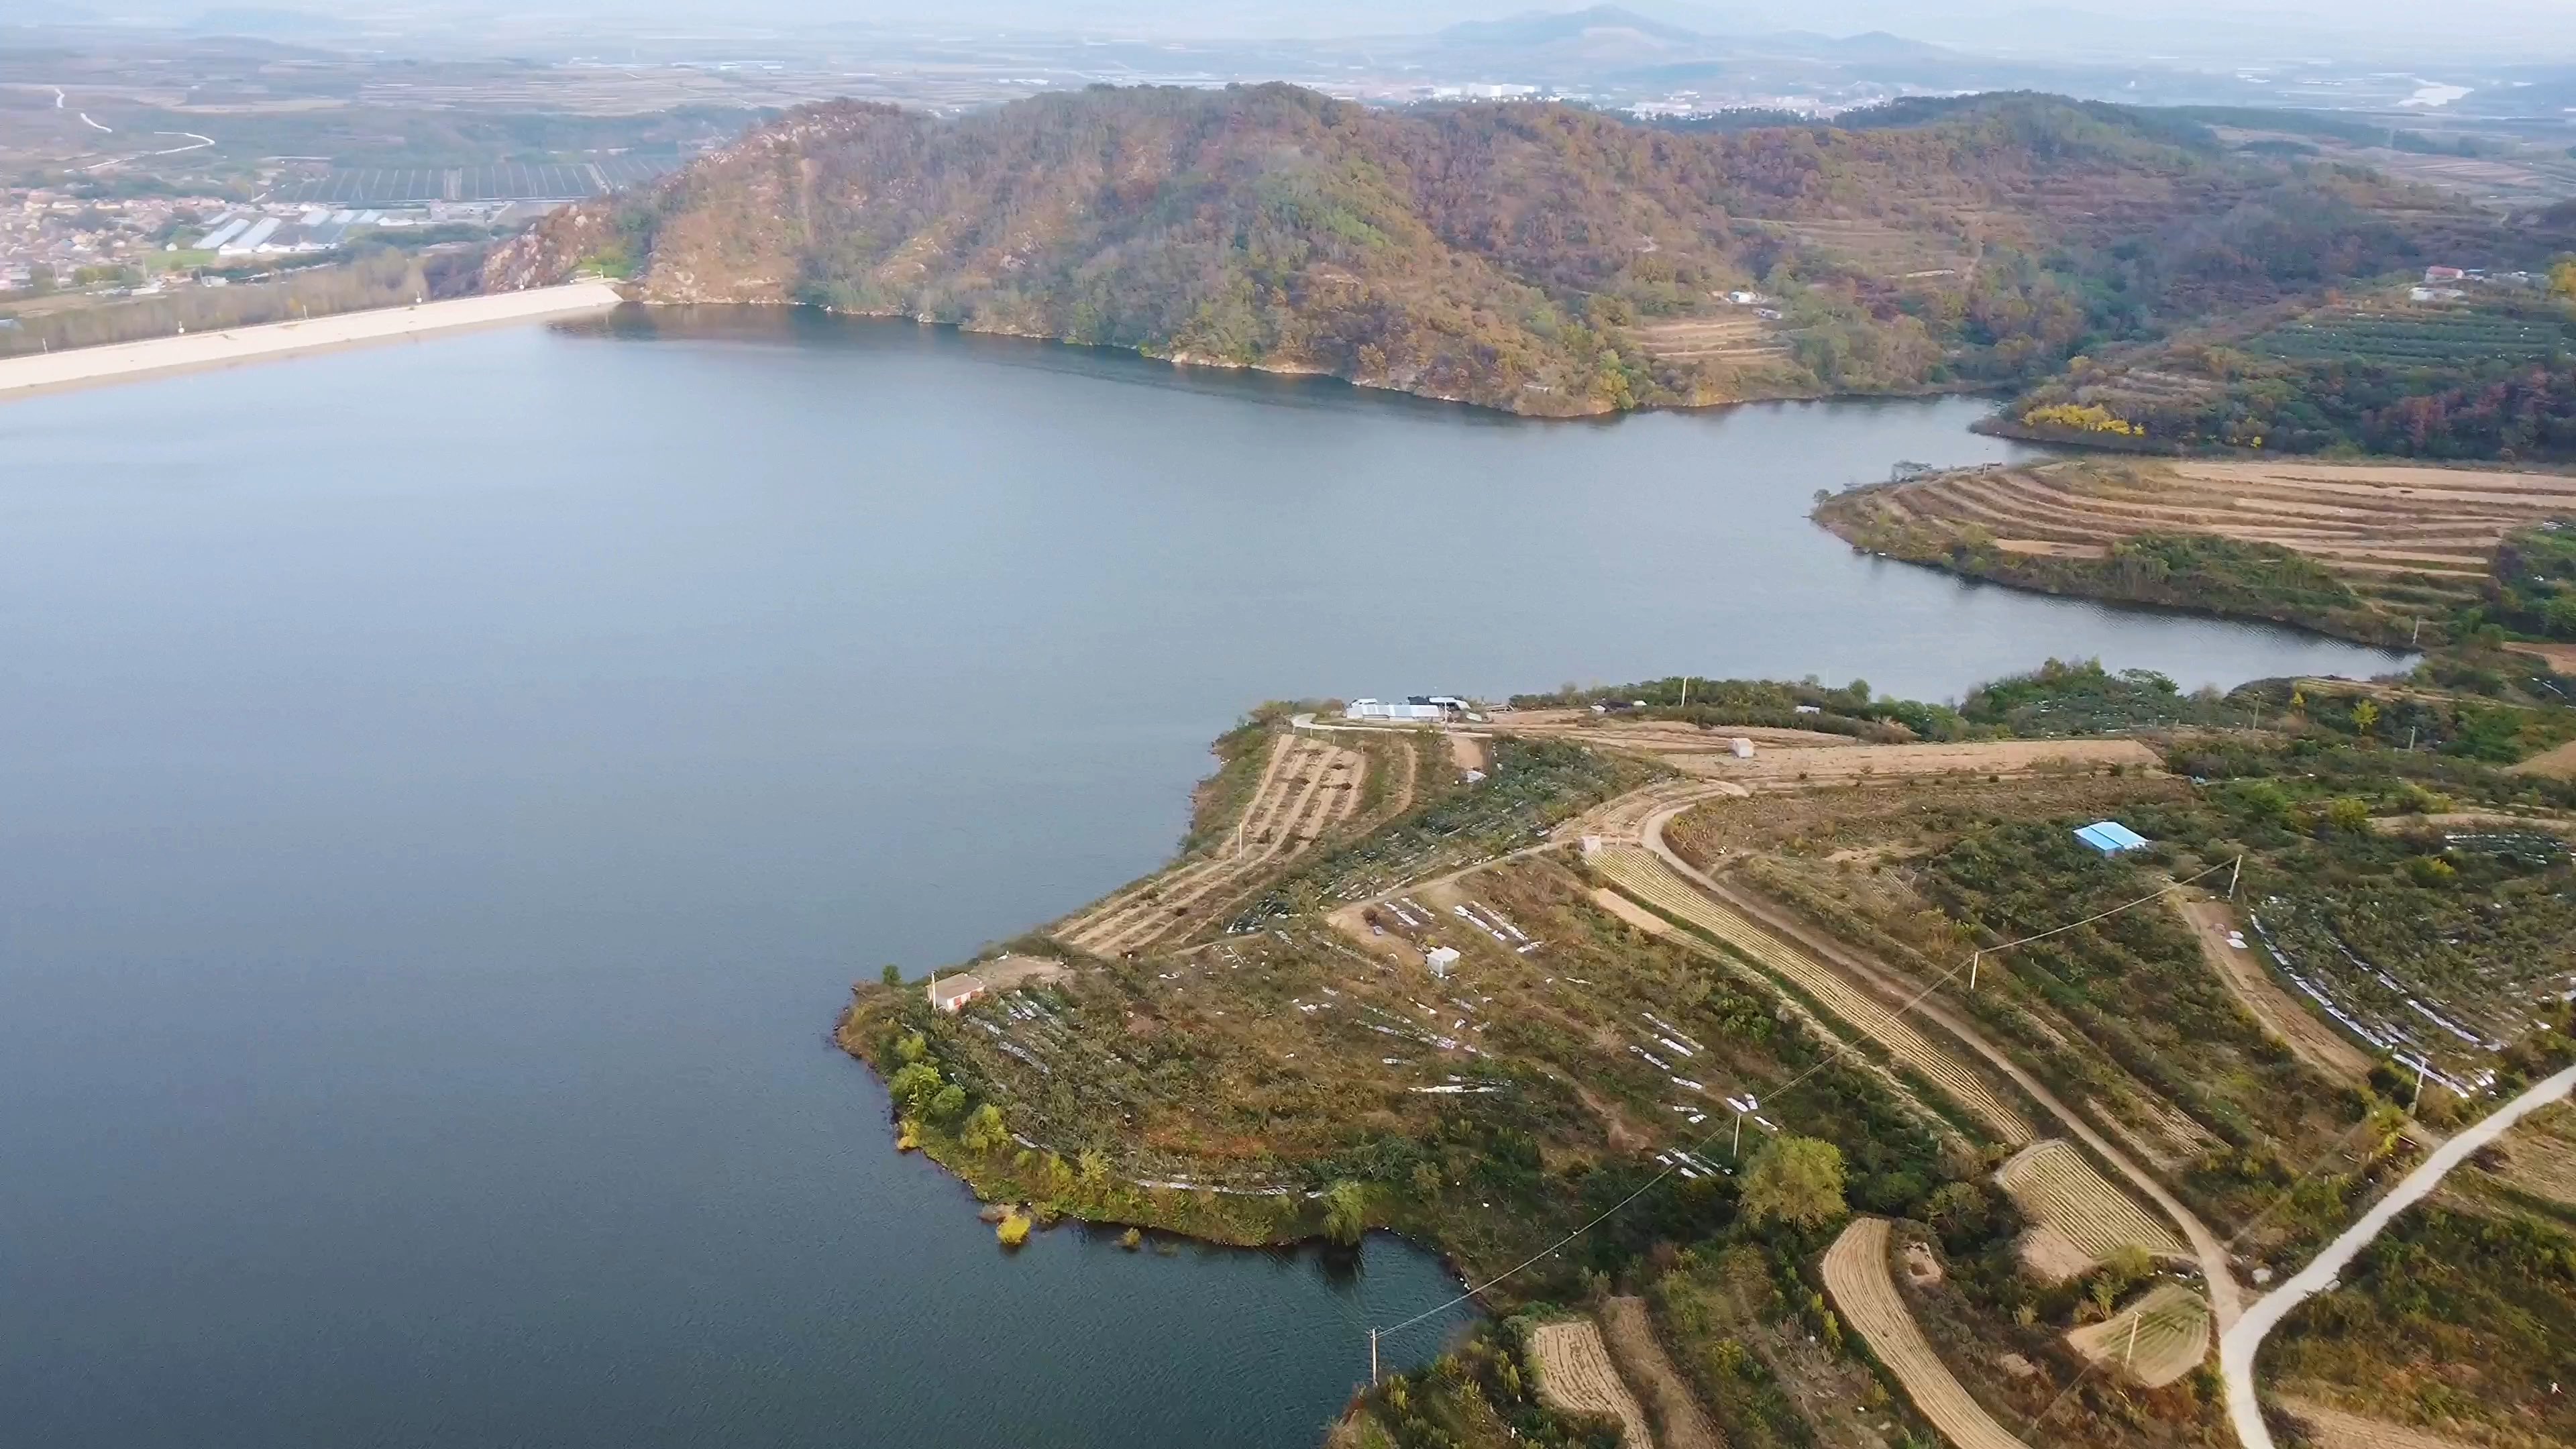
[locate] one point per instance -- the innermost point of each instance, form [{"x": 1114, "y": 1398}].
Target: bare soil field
[
  {"x": 1856, "y": 1274},
  {"x": 1575, "y": 1374},
  {"x": 2561, "y": 658},
  {"x": 2332, "y": 1428},
  {"x": 1650, "y": 736},
  {"x": 2471, "y": 820},
  {"x": 2311, "y": 1040},
  {"x": 2557, "y": 764},
  {"x": 2154, "y": 1341},
  {"x": 2540, "y": 1155},
  {"x": 1779, "y": 768},
  {"x": 1005, "y": 972},
  {"x": 1467, "y": 751},
  {"x": 2403, "y": 536},
  {"x": 1631, "y": 912},
  {"x": 1923, "y": 816},
  {"x": 1630, "y": 1333},
  {"x": 2065, "y": 1197}
]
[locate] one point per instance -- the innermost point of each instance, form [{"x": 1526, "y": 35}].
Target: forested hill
[{"x": 1532, "y": 257}]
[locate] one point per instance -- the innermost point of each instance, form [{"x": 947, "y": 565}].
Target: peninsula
[{"x": 1805, "y": 1066}]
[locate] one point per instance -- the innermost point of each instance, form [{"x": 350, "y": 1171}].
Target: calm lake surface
[{"x": 447, "y": 790}]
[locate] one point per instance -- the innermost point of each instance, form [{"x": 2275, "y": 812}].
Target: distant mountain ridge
[{"x": 1535, "y": 258}]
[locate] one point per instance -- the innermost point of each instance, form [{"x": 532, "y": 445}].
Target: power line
[{"x": 1840, "y": 1048}]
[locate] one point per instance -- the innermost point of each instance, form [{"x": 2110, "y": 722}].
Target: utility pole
[
  {"x": 1686, "y": 683},
  {"x": 2130, "y": 1356},
  {"x": 1372, "y": 1358},
  {"x": 2233, "y": 872},
  {"x": 1736, "y": 1148},
  {"x": 2410, "y": 739},
  {"x": 1973, "y": 962},
  {"x": 2422, "y": 1067},
  {"x": 2415, "y": 633}
]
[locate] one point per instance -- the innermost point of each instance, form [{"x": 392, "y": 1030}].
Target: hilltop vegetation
[
  {"x": 2489, "y": 375},
  {"x": 1537, "y": 258}
]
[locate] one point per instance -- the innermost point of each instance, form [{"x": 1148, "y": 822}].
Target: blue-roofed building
[{"x": 2110, "y": 837}]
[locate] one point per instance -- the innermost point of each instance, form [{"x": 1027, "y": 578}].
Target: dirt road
[
  {"x": 2310, "y": 1040},
  {"x": 2225, "y": 1297}
]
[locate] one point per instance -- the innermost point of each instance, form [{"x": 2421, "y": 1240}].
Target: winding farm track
[
  {"x": 1308, "y": 786},
  {"x": 2243, "y": 1338},
  {"x": 2310, "y": 1040},
  {"x": 2225, "y": 1297}
]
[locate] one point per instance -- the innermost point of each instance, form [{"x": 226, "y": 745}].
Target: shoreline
[
  {"x": 1184, "y": 361},
  {"x": 79, "y": 367}
]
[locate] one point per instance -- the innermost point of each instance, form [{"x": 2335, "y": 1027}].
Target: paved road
[{"x": 2239, "y": 1344}]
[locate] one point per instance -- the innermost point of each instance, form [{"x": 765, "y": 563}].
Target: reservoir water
[{"x": 448, "y": 788}]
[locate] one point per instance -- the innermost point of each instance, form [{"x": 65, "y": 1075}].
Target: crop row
[
  {"x": 2054, "y": 1185},
  {"x": 1575, "y": 1374},
  {"x": 1855, "y": 1271}
]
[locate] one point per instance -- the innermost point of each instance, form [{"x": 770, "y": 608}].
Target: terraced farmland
[
  {"x": 1645, "y": 876},
  {"x": 1575, "y": 1374},
  {"x": 2077, "y": 1207},
  {"x": 1307, "y": 788},
  {"x": 1732, "y": 337},
  {"x": 2154, "y": 1341},
  {"x": 2404, "y": 539},
  {"x": 1855, "y": 1272},
  {"x": 2395, "y": 333}
]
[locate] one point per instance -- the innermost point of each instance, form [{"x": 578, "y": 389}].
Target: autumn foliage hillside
[{"x": 1537, "y": 258}]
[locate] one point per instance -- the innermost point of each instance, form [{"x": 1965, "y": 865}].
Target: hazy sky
[
  {"x": 2329, "y": 19},
  {"x": 2394, "y": 31}
]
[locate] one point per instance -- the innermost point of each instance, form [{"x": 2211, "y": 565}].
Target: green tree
[
  {"x": 1795, "y": 1180},
  {"x": 948, "y": 1104},
  {"x": 984, "y": 1130},
  {"x": 1958, "y": 1212},
  {"x": 892, "y": 975},
  {"x": 1345, "y": 1211},
  {"x": 2127, "y": 1264},
  {"x": 2348, "y": 813},
  {"x": 915, "y": 1085}
]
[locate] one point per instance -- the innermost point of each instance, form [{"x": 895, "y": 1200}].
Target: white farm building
[{"x": 1425, "y": 708}]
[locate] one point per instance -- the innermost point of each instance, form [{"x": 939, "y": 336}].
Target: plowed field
[
  {"x": 1855, "y": 1271},
  {"x": 1575, "y": 1374},
  {"x": 2407, "y": 538},
  {"x": 2171, "y": 1336},
  {"x": 2060, "y": 1192},
  {"x": 1308, "y": 787}
]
